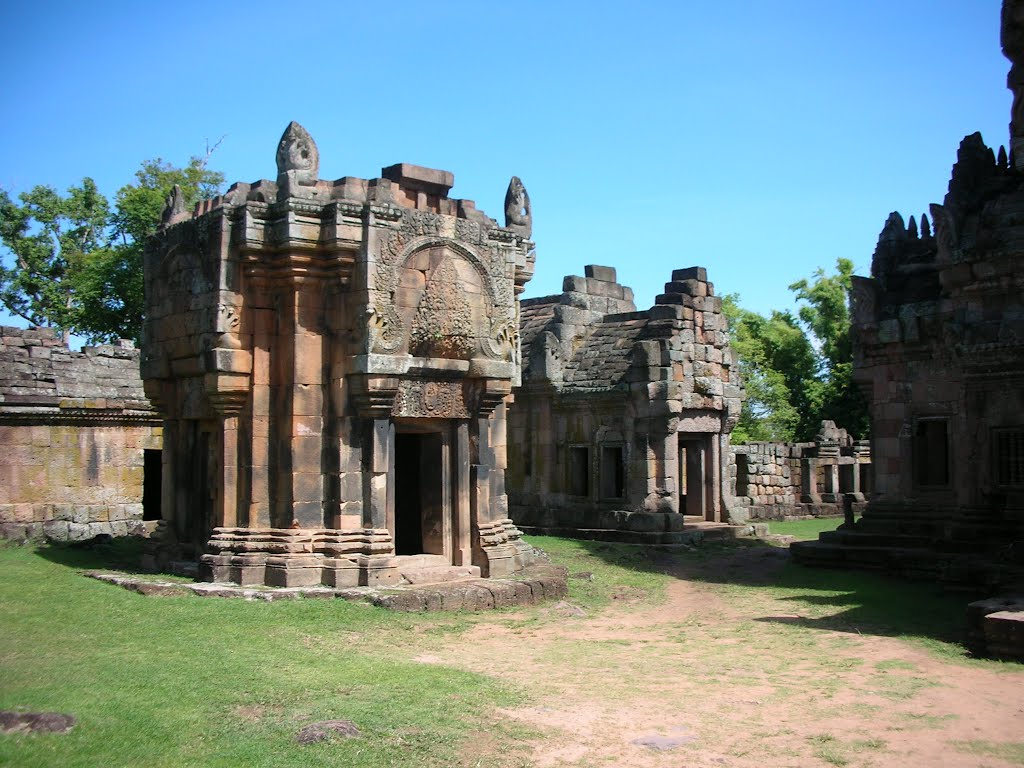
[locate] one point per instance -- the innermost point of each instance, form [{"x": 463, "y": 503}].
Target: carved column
[
  {"x": 264, "y": 323},
  {"x": 461, "y": 507},
  {"x": 662, "y": 463},
  {"x": 378, "y": 479},
  {"x": 307, "y": 403}
]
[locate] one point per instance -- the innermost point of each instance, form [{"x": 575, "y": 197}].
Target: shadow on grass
[
  {"x": 121, "y": 554},
  {"x": 836, "y": 600}
]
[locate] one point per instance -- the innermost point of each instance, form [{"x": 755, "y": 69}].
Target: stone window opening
[
  {"x": 1009, "y": 456},
  {"x": 930, "y": 452},
  {"x": 613, "y": 472},
  {"x": 579, "y": 470}
]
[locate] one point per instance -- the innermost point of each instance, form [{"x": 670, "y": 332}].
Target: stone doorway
[
  {"x": 697, "y": 458},
  {"x": 419, "y": 526}
]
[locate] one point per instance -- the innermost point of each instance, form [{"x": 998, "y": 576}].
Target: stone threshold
[{"x": 530, "y": 586}]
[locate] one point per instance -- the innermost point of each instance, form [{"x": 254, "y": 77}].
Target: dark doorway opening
[
  {"x": 152, "y": 484},
  {"x": 419, "y": 518},
  {"x": 692, "y": 474}
]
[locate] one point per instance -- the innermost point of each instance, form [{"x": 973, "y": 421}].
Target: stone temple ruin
[
  {"x": 333, "y": 360},
  {"x": 621, "y": 426},
  {"x": 939, "y": 350}
]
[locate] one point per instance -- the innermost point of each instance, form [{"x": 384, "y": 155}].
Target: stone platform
[
  {"x": 995, "y": 627},
  {"x": 529, "y": 587},
  {"x": 651, "y": 529}
]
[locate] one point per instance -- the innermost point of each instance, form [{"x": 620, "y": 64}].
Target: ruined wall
[
  {"x": 74, "y": 431},
  {"x": 773, "y": 481}
]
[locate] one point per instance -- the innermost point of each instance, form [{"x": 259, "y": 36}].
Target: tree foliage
[
  {"x": 775, "y": 361},
  {"x": 798, "y": 372},
  {"x": 74, "y": 262},
  {"x": 825, "y": 312}
]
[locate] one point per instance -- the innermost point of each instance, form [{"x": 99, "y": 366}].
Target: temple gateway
[{"x": 333, "y": 359}]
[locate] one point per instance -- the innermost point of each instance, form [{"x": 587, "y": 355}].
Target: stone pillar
[
  {"x": 378, "y": 490},
  {"x": 462, "y": 549},
  {"x": 225, "y": 511},
  {"x": 307, "y": 405},
  {"x": 662, "y": 472},
  {"x": 262, "y": 417},
  {"x": 713, "y": 466}
]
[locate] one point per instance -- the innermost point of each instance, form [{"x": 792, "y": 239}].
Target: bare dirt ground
[{"x": 711, "y": 678}]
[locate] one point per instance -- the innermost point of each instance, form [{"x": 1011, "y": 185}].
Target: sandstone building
[
  {"x": 621, "y": 425},
  {"x": 939, "y": 349},
  {"x": 333, "y": 360},
  {"x": 79, "y": 442}
]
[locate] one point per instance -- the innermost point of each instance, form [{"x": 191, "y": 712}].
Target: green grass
[
  {"x": 182, "y": 680},
  {"x": 173, "y": 681},
  {"x": 804, "y": 530},
  {"x": 617, "y": 572},
  {"x": 1012, "y": 752}
]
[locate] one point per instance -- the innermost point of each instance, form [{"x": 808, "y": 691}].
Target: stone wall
[
  {"x": 74, "y": 431},
  {"x": 773, "y": 481}
]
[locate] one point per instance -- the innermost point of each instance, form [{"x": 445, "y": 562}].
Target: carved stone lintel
[{"x": 430, "y": 399}]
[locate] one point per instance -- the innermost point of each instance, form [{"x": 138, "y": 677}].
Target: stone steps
[{"x": 704, "y": 532}]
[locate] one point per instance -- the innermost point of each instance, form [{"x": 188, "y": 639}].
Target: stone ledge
[{"x": 527, "y": 587}]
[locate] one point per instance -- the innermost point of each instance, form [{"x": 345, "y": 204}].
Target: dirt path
[{"x": 705, "y": 680}]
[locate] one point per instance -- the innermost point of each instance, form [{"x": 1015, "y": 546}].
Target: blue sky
[{"x": 761, "y": 140}]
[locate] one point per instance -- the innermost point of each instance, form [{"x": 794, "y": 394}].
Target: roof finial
[
  {"x": 518, "y": 213},
  {"x": 298, "y": 160}
]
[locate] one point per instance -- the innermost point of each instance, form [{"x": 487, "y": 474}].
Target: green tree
[
  {"x": 111, "y": 289},
  {"x": 826, "y": 314},
  {"x": 50, "y": 238},
  {"x": 75, "y": 264},
  {"x": 777, "y": 364}
]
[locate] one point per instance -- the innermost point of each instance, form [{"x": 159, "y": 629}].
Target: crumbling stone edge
[{"x": 527, "y": 587}]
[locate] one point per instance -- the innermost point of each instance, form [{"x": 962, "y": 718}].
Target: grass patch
[
  {"x": 611, "y": 573},
  {"x": 804, "y": 530},
  {"x": 838, "y": 752},
  {"x": 184, "y": 680},
  {"x": 1011, "y": 752}
]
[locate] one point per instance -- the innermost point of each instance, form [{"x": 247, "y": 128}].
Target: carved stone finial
[
  {"x": 1011, "y": 35},
  {"x": 518, "y": 213},
  {"x": 298, "y": 159},
  {"x": 912, "y": 228},
  {"x": 894, "y": 229},
  {"x": 926, "y": 228},
  {"x": 174, "y": 208}
]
